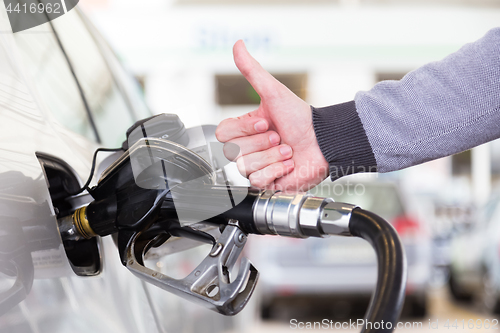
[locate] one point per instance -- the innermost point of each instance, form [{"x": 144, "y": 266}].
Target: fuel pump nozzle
[
  {"x": 135, "y": 200},
  {"x": 159, "y": 189}
]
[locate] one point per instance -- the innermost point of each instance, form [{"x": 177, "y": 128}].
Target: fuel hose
[{"x": 387, "y": 301}]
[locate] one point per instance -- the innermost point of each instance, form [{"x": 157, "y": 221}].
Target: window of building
[
  {"x": 235, "y": 89},
  {"x": 382, "y": 76}
]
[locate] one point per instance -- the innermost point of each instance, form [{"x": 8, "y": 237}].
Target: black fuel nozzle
[
  {"x": 129, "y": 196},
  {"x": 140, "y": 199},
  {"x": 118, "y": 203}
]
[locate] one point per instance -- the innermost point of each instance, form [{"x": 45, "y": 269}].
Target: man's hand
[{"x": 277, "y": 144}]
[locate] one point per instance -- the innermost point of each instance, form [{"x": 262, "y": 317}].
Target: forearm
[{"x": 437, "y": 110}]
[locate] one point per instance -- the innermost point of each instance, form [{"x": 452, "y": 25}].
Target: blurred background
[{"x": 325, "y": 51}]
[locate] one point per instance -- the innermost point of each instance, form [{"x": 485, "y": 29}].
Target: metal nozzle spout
[{"x": 76, "y": 226}]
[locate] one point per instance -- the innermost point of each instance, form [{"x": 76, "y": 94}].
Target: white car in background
[
  {"x": 475, "y": 259},
  {"x": 63, "y": 94}
]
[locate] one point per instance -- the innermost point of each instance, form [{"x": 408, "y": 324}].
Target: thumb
[{"x": 257, "y": 76}]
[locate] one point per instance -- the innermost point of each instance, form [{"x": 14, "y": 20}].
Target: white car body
[{"x": 39, "y": 289}]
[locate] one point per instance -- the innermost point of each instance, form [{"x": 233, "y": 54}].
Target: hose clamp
[
  {"x": 335, "y": 217},
  {"x": 284, "y": 214},
  {"x": 259, "y": 212},
  {"x": 310, "y": 215}
]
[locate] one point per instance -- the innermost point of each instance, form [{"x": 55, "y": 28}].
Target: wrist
[{"x": 342, "y": 140}]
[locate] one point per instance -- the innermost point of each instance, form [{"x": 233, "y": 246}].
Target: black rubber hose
[{"x": 387, "y": 301}]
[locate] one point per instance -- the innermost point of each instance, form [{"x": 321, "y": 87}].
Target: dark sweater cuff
[{"x": 342, "y": 140}]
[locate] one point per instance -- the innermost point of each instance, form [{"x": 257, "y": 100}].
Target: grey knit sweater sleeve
[{"x": 439, "y": 109}]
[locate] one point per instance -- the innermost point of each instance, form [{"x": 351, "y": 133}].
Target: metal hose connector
[{"x": 300, "y": 215}]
